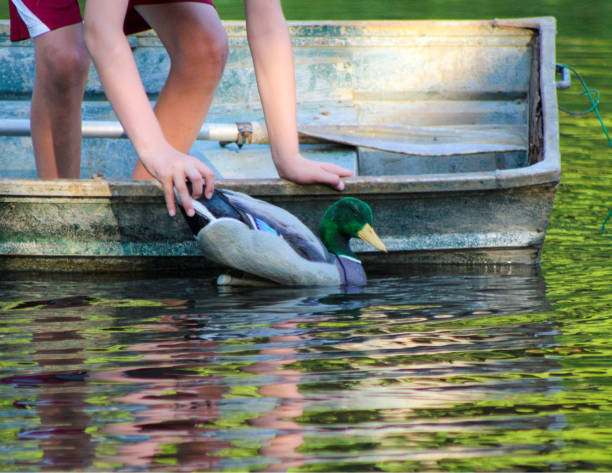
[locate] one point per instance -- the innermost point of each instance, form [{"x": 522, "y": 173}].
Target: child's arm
[
  {"x": 270, "y": 45},
  {"x": 116, "y": 67}
]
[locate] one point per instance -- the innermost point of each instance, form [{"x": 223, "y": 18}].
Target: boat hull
[
  {"x": 451, "y": 129},
  {"x": 90, "y": 225}
]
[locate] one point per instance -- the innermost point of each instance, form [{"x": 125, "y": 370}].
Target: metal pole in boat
[{"x": 241, "y": 132}]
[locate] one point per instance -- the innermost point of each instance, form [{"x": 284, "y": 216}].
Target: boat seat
[
  {"x": 399, "y": 150},
  {"x": 425, "y": 141}
]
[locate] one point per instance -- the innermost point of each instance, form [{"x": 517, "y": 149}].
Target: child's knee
[
  {"x": 218, "y": 48},
  {"x": 206, "y": 51},
  {"x": 65, "y": 67}
]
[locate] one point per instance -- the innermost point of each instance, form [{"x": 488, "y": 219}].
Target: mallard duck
[{"x": 271, "y": 244}]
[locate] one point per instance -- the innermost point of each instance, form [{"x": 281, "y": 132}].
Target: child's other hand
[
  {"x": 305, "y": 171},
  {"x": 172, "y": 169}
]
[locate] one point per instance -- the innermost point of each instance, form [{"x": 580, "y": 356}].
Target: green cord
[
  {"x": 593, "y": 108},
  {"x": 594, "y": 103},
  {"x": 603, "y": 225}
]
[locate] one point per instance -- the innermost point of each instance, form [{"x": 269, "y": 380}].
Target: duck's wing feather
[
  {"x": 263, "y": 254},
  {"x": 265, "y": 216}
]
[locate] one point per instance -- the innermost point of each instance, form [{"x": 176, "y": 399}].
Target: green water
[{"x": 436, "y": 372}]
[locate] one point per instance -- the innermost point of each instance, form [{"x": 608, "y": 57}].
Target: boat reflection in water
[{"x": 395, "y": 373}]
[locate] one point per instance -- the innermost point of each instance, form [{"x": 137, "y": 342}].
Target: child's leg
[
  {"x": 197, "y": 44},
  {"x": 62, "y": 64}
]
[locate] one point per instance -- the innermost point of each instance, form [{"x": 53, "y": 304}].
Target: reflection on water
[{"x": 421, "y": 372}]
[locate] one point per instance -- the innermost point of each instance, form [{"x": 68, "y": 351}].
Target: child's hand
[
  {"x": 172, "y": 169},
  {"x": 305, "y": 171}
]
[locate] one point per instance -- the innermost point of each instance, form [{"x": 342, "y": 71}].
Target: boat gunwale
[{"x": 99, "y": 188}]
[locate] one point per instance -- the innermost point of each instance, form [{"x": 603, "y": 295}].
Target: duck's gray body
[{"x": 266, "y": 241}]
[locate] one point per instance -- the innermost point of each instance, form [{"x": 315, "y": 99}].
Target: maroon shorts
[{"x": 31, "y": 18}]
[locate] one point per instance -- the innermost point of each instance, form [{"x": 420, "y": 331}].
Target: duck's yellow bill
[{"x": 368, "y": 234}]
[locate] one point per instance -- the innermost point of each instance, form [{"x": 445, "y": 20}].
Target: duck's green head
[{"x": 347, "y": 218}]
